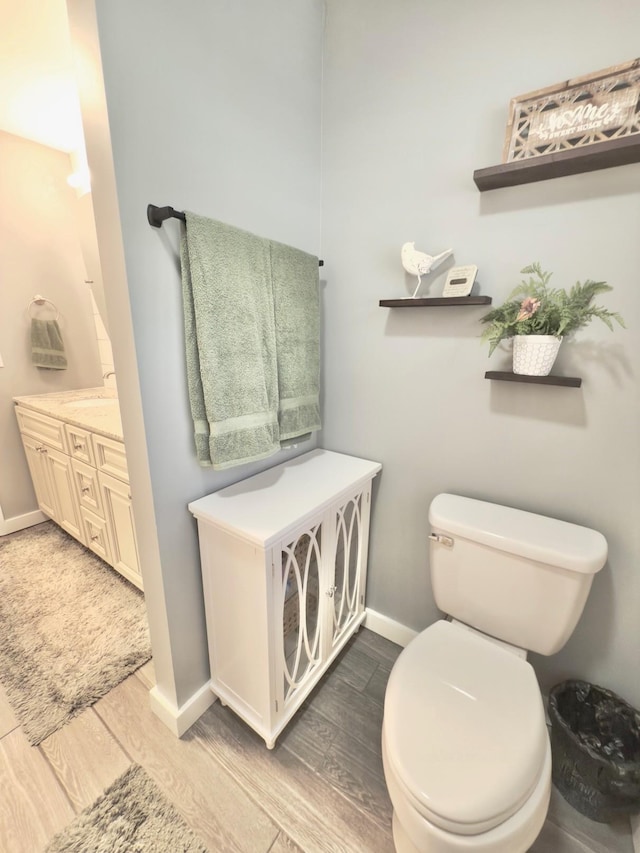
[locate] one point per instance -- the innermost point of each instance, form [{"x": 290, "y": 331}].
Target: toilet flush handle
[{"x": 447, "y": 541}]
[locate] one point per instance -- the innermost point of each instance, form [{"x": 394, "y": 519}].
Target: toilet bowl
[{"x": 465, "y": 747}]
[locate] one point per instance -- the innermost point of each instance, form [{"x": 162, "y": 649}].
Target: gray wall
[
  {"x": 39, "y": 254},
  {"x": 213, "y": 107},
  {"x": 415, "y": 98}
]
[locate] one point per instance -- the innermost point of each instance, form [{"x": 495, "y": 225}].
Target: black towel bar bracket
[{"x": 157, "y": 215}]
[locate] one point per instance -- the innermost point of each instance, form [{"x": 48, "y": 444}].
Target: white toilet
[{"x": 465, "y": 747}]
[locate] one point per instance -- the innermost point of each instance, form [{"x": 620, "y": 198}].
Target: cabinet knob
[
  {"x": 95, "y": 538},
  {"x": 331, "y": 591},
  {"x": 85, "y": 490},
  {"x": 77, "y": 445}
]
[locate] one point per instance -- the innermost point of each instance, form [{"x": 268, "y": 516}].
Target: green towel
[
  {"x": 251, "y": 319},
  {"x": 47, "y": 347},
  {"x": 296, "y": 299},
  {"x": 230, "y": 343}
]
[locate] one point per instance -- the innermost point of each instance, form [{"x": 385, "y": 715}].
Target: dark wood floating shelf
[
  {"x": 588, "y": 158},
  {"x": 507, "y": 376},
  {"x": 434, "y": 301}
]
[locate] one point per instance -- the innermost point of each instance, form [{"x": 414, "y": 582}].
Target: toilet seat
[{"x": 464, "y": 729}]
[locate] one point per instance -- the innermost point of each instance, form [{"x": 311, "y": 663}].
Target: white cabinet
[
  {"x": 284, "y": 558},
  {"x": 82, "y": 483}
]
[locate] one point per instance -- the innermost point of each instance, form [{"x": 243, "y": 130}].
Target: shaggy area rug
[
  {"x": 70, "y": 628},
  {"x": 132, "y": 816}
]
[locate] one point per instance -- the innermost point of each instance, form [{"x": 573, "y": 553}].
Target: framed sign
[{"x": 582, "y": 111}]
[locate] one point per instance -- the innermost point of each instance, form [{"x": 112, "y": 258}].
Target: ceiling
[{"x": 38, "y": 95}]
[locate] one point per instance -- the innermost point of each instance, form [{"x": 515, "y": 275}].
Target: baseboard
[
  {"x": 178, "y": 720},
  {"x": 635, "y": 831},
  {"x": 389, "y": 628},
  {"x": 20, "y": 522}
]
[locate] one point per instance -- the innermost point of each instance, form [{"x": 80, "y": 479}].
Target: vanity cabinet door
[
  {"x": 62, "y": 480},
  {"x": 53, "y": 483},
  {"x": 298, "y": 611},
  {"x": 87, "y": 487},
  {"x": 351, "y": 521},
  {"x": 118, "y": 512},
  {"x": 42, "y": 485},
  {"x": 97, "y": 536}
]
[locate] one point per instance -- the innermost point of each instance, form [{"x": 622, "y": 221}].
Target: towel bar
[{"x": 157, "y": 215}]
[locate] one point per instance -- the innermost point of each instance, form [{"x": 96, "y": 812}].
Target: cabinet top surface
[
  {"x": 70, "y": 407},
  {"x": 263, "y": 507}
]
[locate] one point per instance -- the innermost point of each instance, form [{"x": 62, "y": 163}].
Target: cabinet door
[
  {"x": 298, "y": 611},
  {"x": 116, "y": 502},
  {"x": 87, "y": 487},
  {"x": 96, "y": 533},
  {"x": 42, "y": 485},
  {"x": 62, "y": 480},
  {"x": 351, "y": 537}
]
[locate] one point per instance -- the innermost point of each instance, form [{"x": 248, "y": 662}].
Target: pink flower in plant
[{"x": 528, "y": 308}]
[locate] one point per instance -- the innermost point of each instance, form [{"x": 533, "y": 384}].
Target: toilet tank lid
[{"x": 525, "y": 534}]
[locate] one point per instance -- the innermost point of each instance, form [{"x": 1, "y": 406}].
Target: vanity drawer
[
  {"x": 42, "y": 428},
  {"x": 79, "y": 442},
  {"x": 87, "y": 487},
  {"x": 96, "y": 534},
  {"x": 111, "y": 457}
]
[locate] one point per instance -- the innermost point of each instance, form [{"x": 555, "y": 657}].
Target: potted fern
[{"x": 538, "y": 317}]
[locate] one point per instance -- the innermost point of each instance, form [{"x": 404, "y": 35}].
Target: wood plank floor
[{"x": 321, "y": 790}]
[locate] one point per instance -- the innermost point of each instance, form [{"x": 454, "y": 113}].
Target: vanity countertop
[{"x": 101, "y": 416}]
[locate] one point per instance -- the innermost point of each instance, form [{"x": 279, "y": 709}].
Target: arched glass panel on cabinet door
[
  {"x": 347, "y": 563},
  {"x": 300, "y": 614}
]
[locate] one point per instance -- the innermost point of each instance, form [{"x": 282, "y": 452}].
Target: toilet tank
[{"x": 520, "y": 577}]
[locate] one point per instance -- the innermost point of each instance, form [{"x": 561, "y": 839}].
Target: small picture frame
[
  {"x": 582, "y": 111},
  {"x": 460, "y": 280}
]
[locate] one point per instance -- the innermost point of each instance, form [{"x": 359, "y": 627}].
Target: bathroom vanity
[
  {"x": 74, "y": 447},
  {"x": 284, "y": 559}
]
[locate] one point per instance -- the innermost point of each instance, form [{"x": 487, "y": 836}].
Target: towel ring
[{"x": 42, "y": 300}]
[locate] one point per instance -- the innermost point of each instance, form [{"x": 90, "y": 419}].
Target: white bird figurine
[{"x": 419, "y": 263}]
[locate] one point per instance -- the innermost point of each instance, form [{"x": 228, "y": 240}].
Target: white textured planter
[{"x": 534, "y": 355}]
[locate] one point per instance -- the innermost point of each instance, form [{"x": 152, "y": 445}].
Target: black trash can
[{"x": 595, "y": 745}]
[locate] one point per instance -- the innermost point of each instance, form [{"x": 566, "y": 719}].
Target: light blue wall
[
  {"x": 416, "y": 97},
  {"x": 213, "y": 107}
]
